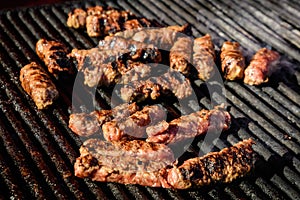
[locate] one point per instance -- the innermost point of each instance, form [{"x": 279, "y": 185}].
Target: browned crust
[
  {"x": 261, "y": 66},
  {"x": 54, "y": 54},
  {"x": 135, "y": 125},
  {"x": 37, "y": 83},
  {"x": 87, "y": 124},
  {"x": 204, "y": 57},
  {"x": 181, "y": 55},
  {"x": 232, "y": 61},
  {"x": 224, "y": 166},
  {"x": 189, "y": 126}
]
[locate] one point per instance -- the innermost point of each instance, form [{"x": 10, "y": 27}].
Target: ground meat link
[
  {"x": 95, "y": 56},
  {"x": 140, "y": 90},
  {"x": 127, "y": 162},
  {"x": 189, "y": 126},
  {"x": 261, "y": 66},
  {"x": 135, "y": 125},
  {"x": 204, "y": 57},
  {"x": 223, "y": 166},
  {"x": 170, "y": 83},
  {"x": 138, "y": 162},
  {"x": 99, "y": 21},
  {"x": 181, "y": 55},
  {"x": 54, "y": 55},
  {"x": 37, "y": 83},
  {"x": 86, "y": 124},
  {"x": 106, "y": 23},
  {"x": 138, "y": 51},
  {"x": 108, "y": 67},
  {"x": 162, "y": 38},
  {"x": 175, "y": 84},
  {"x": 232, "y": 59},
  {"x": 98, "y": 67},
  {"x": 77, "y": 17}
]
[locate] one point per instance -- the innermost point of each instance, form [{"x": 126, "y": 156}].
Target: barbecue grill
[{"x": 38, "y": 149}]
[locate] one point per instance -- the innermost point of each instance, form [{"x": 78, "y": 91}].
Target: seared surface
[
  {"x": 86, "y": 124},
  {"x": 149, "y": 164},
  {"x": 232, "y": 61},
  {"x": 261, "y": 66},
  {"x": 204, "y": 57},
  {"x": 190, "y": 126},
  {"x": 127, "y": 162},
  {"x": 38, "y": 84},
  {"x": 223, "y": 166},
  {"x": 181, "y": 55},
  {"x": 135, "y": 125},
  {"x": 54, "y": 55}
]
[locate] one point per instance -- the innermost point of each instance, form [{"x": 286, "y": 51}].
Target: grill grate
[{"x": 38, "y": 150}]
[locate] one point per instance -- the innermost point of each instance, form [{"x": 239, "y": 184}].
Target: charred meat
[
  {"x": 37, "y": 83},
  {"x": 181, "y": 55},
  {"x": 108, "y": 22},
  {"x": 101, "y": 21},
  {"x": 232, "y": 60},
  {"x": 55, "y": 56},
  {"x": 204, "y": 57},
  {"x": 261, "y": 66},
  {"x": 224, "y": 166},
  {"x": 138, "y": 51},
  {"x": 135, "y": 125},
  {"x": 86, "y": 124},
  {"x": 107, "y": 67},
  {"x": 163, "y": 38},
  {"x": 127, "y": 162},
  {"x": 189, "y": 126},
  {"x": 150, "y": 164},
  {"x": 170, "y": 83}
]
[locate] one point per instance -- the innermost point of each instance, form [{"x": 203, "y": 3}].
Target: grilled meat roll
[
  {"x": 37, "y": 83},
  {"x": 189, "y": 126},
  {"x": 169, "y": 83},
  {"x": 55, "y": 56},
  {"x": 100, "y": 21},
  {"x": 181, "y": 55},
  {"x": 106, "y": 67},
  {"x": 261, "y": 66},
  {"x": 137, "y": 51},
  {"x": 224, "y": 166},
  {"x": 150, "y": 164},
  {"x": 127, "y": 162},
  {"x": 232, "y": 61},
  {"x": 163, "y": 38},
  {"x": 86, "y": 124},
  {"x": 204, "y": 57},
  {"x": 135, "y": 125}
]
